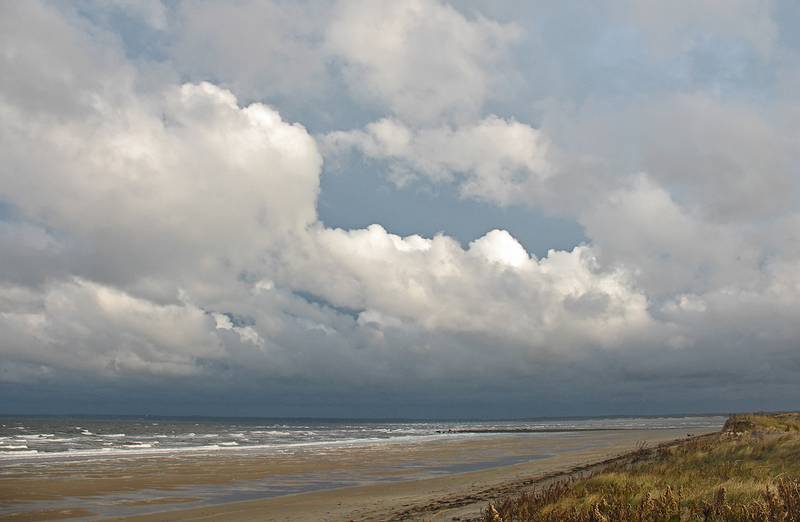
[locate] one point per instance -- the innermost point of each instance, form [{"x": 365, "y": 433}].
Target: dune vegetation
[{"x": 749, "y": 471}]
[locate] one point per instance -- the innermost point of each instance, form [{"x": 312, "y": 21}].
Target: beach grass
[{"x": 749, "y": 471}]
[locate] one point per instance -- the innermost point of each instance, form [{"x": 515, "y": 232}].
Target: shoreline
[
  {"x": 23, "y": 457},
  {"x": 433, "y": 479},
  {"x": 96, "y": 455},
  {"x": 458, "y": 496},
  {"x": 527, "y": 430}
]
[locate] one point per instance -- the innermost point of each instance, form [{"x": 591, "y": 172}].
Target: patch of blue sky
[{"x": 359, "y": 196}]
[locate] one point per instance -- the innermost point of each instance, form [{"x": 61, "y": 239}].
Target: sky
[{"x": 399, "y": 209}]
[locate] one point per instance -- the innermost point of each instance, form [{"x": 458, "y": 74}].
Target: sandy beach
[{"x": 431, "y": 480}]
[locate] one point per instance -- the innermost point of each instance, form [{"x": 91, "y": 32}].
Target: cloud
[
  {"x": 727, "y": 158},
  {"x": 56, "y": 64},
  {"x": 151, "y": 12},
  {"x": 499, "y": 246},
  {"x": 493, "y": 289},
  {"x": 501, "y": 161},
  {"x": 424, "y": 60},
  {"x": 149, "y": 188},
  {"x": 259, "y": 49},
  {"x": 103, "y": 332},
  {"x": 183, "y": 206},
  {"x": 679, "y": 26},
  {"x": 162, "y": 232},
  {"x": 671, "y": 249}
]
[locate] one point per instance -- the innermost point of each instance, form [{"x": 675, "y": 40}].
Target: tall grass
[{"x": 750, "y": 471}]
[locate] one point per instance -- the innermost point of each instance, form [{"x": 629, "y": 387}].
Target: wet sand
[{"x": 432, "y": 480}]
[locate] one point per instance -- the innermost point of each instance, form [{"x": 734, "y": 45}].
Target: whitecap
[{"x": 138, "y": 444}]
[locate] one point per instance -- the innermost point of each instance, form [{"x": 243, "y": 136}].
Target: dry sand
[{"x": 404, "y": 493}]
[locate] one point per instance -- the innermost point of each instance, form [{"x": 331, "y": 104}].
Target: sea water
[{"x": 59, "y": 438}]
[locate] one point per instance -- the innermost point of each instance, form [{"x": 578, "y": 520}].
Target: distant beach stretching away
[{"x": 245, "y": 469}]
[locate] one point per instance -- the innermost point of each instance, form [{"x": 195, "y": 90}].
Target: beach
[{"x": 430, "y": 478}]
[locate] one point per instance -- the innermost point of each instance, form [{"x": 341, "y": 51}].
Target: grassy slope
[{"x": 748, "y": 471}]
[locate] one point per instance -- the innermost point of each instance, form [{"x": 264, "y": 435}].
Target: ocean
[{"x": 68, "y": 438}]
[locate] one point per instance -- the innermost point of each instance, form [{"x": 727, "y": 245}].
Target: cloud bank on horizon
[{"x": 164, "y": 250}]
